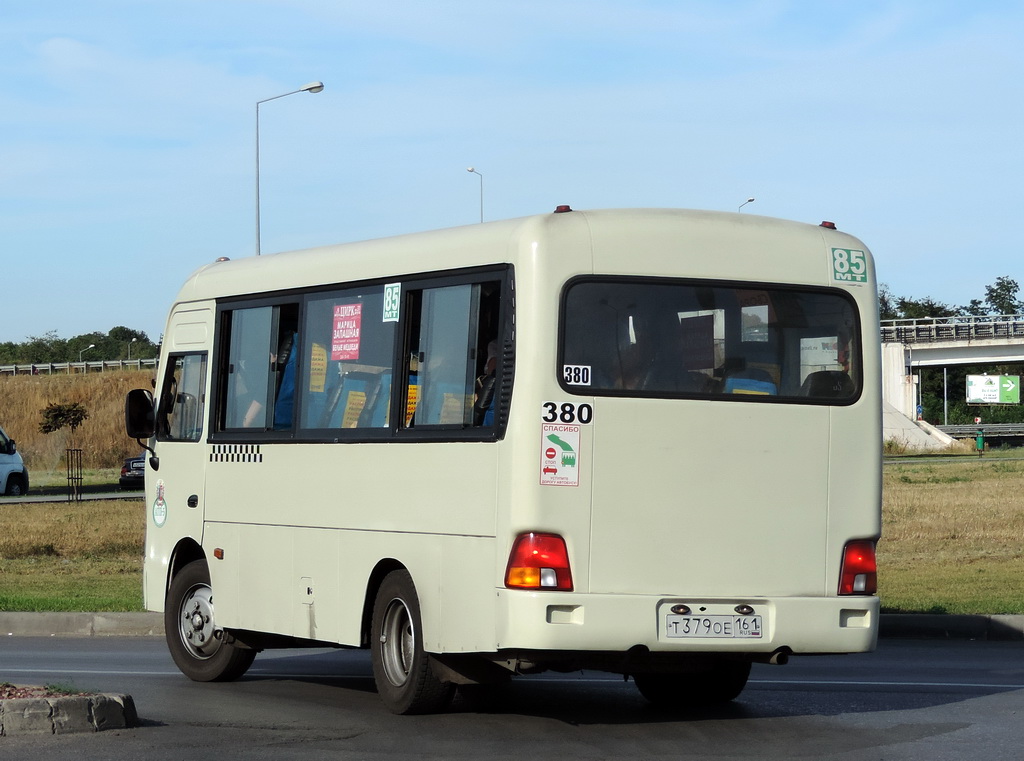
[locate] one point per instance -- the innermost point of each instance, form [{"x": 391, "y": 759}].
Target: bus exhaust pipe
[{"x": 778, "y": 658}]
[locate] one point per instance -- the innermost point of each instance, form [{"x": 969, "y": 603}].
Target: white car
[{"x": 13, "y": 475}]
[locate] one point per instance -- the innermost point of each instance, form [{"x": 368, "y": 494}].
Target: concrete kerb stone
[
  {"x": 66, "y": 715},
  {"x": 81, "y": 624},
  {"x": 1003, "y": 627}
]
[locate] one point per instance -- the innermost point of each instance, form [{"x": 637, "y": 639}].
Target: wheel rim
[
  {"x": 397, "y": 642},
  {"x": 196, "y": 624}
]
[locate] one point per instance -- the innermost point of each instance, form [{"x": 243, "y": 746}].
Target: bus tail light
[
  {"x": 539, "y": 561},
  {"x": 859, "y": 573}
]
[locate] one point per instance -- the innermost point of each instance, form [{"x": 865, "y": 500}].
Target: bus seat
[
  {"x": 375, "y": 412},
  {"x": 751, "y": 380},
  {"x": 827, "y": 384}
]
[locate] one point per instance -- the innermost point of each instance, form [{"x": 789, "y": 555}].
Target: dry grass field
[
  {"x": 953, "y": 535},
  {"x": 101, "y": 438}
]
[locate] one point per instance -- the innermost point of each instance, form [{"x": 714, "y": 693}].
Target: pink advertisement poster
[{"x": 348, "y": 319}]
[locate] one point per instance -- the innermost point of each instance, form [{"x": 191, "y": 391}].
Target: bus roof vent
[
  {"x": 828, "y": 225},
  {"x": 562, "y": 208},
  {"x": 222, "y": 259}
]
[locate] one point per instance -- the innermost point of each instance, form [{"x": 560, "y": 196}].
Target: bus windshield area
[{"x": 745, "y": 342}]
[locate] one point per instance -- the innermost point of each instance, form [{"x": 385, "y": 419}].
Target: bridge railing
[
  {"x": 1000, "y": 430},
  {"x": 959, "y": 328},
  {"x": 48, "y": 368}
]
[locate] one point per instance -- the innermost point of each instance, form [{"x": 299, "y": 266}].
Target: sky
[{"x": 128, "y": 151}]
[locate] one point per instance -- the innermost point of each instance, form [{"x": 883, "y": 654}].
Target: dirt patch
[{"x": 14, "y": 691}]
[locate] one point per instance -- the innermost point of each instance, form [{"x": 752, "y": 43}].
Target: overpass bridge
[{"x": 940, "y": 342}]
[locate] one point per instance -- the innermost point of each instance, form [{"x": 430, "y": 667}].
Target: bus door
[{"x": 175, "y": 490}]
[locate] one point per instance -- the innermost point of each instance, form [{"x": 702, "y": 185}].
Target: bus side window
[
  {"x": 346, "y": 360},
  {"x": 259, "y": 384},
  {"x": 182, "y": 400},
  {"x": 452, "y": 355}
]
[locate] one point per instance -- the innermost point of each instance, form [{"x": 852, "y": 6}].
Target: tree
[
  {"x": 887, "y": 307},
  {"x": 48, "y": 348},
  {"x": 63, "y": 415},
  {"x": 1001, "y": 296}
]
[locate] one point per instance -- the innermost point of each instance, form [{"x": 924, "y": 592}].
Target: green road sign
[
  {"x": 993, "y": 389},
  {"x": 1009, "y": 389}
]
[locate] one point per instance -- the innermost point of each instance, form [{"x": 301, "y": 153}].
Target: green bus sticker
[
  {"x": 849, "y": 265},
  {"x": 392, "y": 301}
]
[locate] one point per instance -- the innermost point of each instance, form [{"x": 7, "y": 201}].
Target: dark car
[{"x": 133, "y": 474}]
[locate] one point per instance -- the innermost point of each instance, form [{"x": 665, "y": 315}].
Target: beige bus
[{"x": 639, "y": 441}]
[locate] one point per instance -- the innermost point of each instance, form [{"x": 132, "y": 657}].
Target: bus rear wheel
[
  {"x": 197, "y": 644},
  {"x": 405, "y": 680},
  {"x": 723, "y": 682}
]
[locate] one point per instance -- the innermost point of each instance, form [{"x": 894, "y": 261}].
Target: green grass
[
  {"x": 56, "y": 481},
  {"x": 60, "y": 584},
  {"x": 72, "y": 556}
]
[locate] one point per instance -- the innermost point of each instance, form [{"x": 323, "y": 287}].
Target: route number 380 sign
[{"x": 567, "y": 412}]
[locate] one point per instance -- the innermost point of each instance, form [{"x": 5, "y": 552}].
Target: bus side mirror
[{"x": 139, "y": 420}]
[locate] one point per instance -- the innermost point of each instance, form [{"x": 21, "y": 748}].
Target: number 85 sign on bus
[{"x": 849, "y": 265}]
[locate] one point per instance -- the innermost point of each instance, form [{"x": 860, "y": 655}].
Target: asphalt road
[{"x": 910, "y": 700}]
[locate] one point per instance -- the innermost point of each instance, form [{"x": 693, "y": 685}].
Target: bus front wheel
[
  {"x": 197, "y": 644},
  {"x": 723, "y": 682},
  {"x": 405, "y": 680}
]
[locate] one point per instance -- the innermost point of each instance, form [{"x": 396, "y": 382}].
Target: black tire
[
  {"x": 193, "y": 637},
  {"x": 723, "y": 682},
  {"x": 402, "y": 670},
  {"x": 15, "y": 486}
]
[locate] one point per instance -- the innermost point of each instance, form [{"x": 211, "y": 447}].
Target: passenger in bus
[
  {"x": 283, "y": 374},
  {"x": 483, "y": 407},
  {"x": 285, "y": 400}
]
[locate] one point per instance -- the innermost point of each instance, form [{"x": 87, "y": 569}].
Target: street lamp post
[
  {"x": 311, "y": 87},
  {"x": 83, "y": 351},
  {"x": 749, "y": 200},
  {"x": 130, "y": 348},
  {"x": 471, "y": 169}
]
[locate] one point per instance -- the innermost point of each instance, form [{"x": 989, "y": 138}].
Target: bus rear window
[{"x": 749, "y": 342}]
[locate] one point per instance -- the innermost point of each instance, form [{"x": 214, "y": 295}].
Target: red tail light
[
  {"x": 539, "y": 561},
  {"x": 859, "y": 573}
]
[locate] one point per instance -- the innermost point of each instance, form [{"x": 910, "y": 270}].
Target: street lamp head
[
  {"x": 90, "y": 346},
  {"x": 312, "y": 87},
  {"x": 470, "y": 169},
  {"x": 751, "y": 200}
]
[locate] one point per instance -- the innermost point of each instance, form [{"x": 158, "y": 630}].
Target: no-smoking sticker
[{"x": 559, "y": 458}]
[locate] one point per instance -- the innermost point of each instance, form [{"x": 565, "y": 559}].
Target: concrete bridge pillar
[{"x": 898, "y": 384}]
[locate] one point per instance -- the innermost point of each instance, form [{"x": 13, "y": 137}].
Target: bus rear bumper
[{"x": 618, "y": 623}]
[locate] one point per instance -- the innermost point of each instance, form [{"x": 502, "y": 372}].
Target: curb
[
  {"x": 998, "y": 627},
  {"x": 81, "y": 624},
  {"x": 67, "y": 715}
]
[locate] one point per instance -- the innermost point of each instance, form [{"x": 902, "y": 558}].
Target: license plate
[{"x": 722, "y": 627}]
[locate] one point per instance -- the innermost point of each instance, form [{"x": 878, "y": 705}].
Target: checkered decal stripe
[{"x": 236, "y": 453}]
